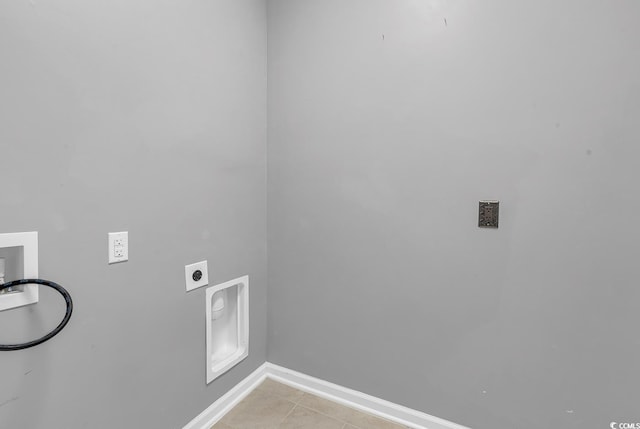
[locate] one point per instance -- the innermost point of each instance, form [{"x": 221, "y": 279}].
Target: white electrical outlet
[{"x": 118, "y": 247}]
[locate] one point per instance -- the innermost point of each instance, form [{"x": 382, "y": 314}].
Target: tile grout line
[
  {"x": 346, "y": 423},
  {"x": 277, "y": 395},
  {"x": 284, "y": 397},
  {"x": 300, "y": 398},
  {"x": 272, "y": 394},
  {"x": 327, "y": 415},
  {"x": 288, "y": 414},
  {"x": 298, "y": 403}
]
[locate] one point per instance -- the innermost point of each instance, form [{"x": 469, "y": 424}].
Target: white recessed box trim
[
  {"x": 228, "y": 335},
  {"x": 28, "y": 241}
]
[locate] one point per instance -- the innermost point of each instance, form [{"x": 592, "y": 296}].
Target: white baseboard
[
  {"x": 358, "y": 400},
  {"x": 333, "y": 392},
  {"x": 226, "y": 402}
]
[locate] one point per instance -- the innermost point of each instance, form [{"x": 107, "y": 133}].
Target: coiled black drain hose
[{"x": 67, "y": 315}]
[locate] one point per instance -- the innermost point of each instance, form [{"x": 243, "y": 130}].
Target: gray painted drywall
[
  {"x": 146, "y": 116},
  {"x": 388, "y": 121}
]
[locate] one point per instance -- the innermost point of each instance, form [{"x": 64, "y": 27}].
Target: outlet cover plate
[
  {"x": 118, "y": 247},
  {"x": 488, "y": 214},
  {"x": 189, "y": 279}
]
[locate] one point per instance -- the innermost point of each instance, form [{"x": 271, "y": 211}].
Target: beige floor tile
[
  {"x": 324, "y": 406},
  {"x": 304, "y": 418},
  {"x": 221, "y": 425},
  {"x": 346, "y": 414},
  {"x": 367, "y": 421},
  {"x": 289, "y": 393},
  {"x": 258, "y": 411}
]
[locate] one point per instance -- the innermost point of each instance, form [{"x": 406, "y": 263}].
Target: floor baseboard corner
[
  {"x": 351, "y": 398},
  {"x": 358, "y": 400},
  {"x": 226, "y": 402}
]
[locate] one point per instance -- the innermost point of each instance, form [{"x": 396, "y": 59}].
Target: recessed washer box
[
  {"x": 20, "y": 250},
  {"x": 227, "y": 326}
]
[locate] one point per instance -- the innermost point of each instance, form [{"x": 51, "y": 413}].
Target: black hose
[{"x": 67, "y": 315}]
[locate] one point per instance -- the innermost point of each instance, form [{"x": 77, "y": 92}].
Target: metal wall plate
[{"x": 488, "y": 214}]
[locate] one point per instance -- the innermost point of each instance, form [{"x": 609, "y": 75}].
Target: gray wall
[
  {"x": 146, "y": 116},
  {"x": 379, "y": 150}
]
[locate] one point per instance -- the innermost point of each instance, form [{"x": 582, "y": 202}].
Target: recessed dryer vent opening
[{"x": 227, "y": 326}]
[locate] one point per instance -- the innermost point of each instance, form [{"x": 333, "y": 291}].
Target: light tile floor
[{"x": 275, "y": 406}]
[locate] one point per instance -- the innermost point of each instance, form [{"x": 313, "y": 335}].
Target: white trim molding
[
  {"x": 358, "y": 400},
  {"x": 333, "y": 392},
  {"x": 226, "y": 402}
]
